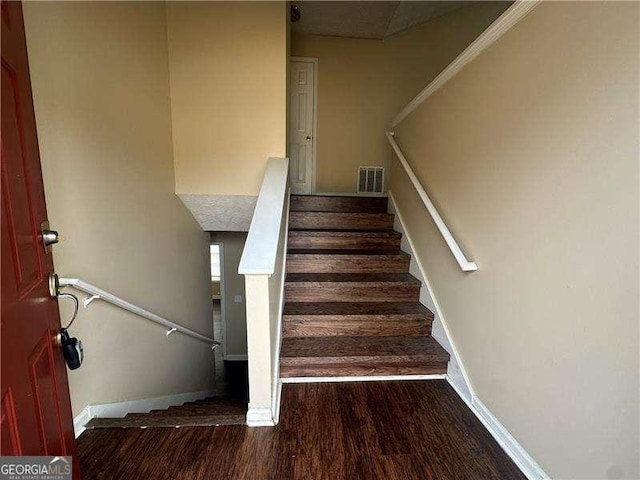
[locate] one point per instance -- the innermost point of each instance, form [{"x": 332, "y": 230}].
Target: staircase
[
  {"x": 211, "y": 411},
  {"x": 351, "y": 306}
]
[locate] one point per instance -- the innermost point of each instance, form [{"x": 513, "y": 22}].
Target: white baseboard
[
  {"x": 372, "y": 378},
  {"x": 120, "y": 409},
  {"x": 236, "y": 358},
  {"x": 439, "y": 329},
  {"x": 276, "y": 409},
  {"x": 259, "y": 417},
  {"x": 456, "y": 373},
  {"x": 80, "y": 420},
  {"x": 510, "y": 445}
]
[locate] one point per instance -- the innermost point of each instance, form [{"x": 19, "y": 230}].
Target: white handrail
[
  {"x": 465, "y": 264},
  {"x": 99, "y": 294}
]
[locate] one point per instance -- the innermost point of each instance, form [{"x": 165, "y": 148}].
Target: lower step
[
  {"x": 362, "y": 370},
  {"x": 167, "y": 421},
  {"x": 356, "y": 356}
]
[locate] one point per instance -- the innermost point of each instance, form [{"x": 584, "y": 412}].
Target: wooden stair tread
[
  {"x": 355, "y": 309},
  {"x": 363, "y": 370},
  {"x": 332, "y": 203},
  {"x": 342, "y": 251},
  {"x": 344, "y": 239},
  {"x": 347, "y": 261},
  {"x": 345, "y": 233},
  {"x": 384, "y": 350},
  {"x": 172, "y": 412},
  {"x": 340, "y": 221},
  {"x": 350, "y": 278},
  {"x": 168, "y": 421}
]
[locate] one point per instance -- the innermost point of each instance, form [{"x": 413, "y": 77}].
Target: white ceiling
[{"x": 367, "y": 19}]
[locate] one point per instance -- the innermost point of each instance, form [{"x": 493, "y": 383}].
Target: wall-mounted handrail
[
  {"x": 465, "y": 264},
  {"x": 99, "y": 294}
]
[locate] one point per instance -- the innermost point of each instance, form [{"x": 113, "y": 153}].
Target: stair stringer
[{"x": 456, "y": 372}]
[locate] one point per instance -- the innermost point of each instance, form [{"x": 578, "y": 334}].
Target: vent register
[{"x": 370, "y": 179}]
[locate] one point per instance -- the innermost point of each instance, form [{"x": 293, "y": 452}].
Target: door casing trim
[{"x": 314, "y": 61}]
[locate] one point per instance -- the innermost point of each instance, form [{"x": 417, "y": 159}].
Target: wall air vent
[{"x": 370, "y": 179}]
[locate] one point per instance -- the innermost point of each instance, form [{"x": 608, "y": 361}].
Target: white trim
[
  {"x": 276, "y": 410},
  {"x": 465, "y": 264},
  {"x": 508, "y": 19},
  {"x": 313, "y": 60},
  {"x": 120, "y": 409},
  {"x": 80, "y": 420},
  {"x": 440, "y": 330},
  {"x": 510, "y": 445},
  {"x": 277, "y": 384},
  {"x": 236, "y": 358},
  {"x": 223, "y": 301},
  {"x": 372, "y": 378},
  {"x": 457, "y": 374},
  {"x": 456, "y": 359},
  {"x": 259, "y": 417}
]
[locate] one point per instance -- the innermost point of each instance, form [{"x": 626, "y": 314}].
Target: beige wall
[
  {"x": 531, "y": 155},
  {"x": 235, "y": 313},
  {"x": 101, "y": 91},
  {"x": 362, "y": 84},
  {"x": 228, "y": 93}
]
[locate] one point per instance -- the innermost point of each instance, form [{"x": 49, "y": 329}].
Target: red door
[{"x": 36, "y": 411}]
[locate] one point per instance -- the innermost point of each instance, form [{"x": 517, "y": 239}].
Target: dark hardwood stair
[
  {"x": 212, "y": 411},
  {"x": 340, "y": 221},
  {"x": 351, "y": 287},
  {"x": 342, "y": 356},
  {"x": 353, "y": 319},
  {"x": 347, "y": 261},
  {"x": 351, "y": 306},
  {"x": 320, "y": 203},
  {"x": 344, "y": 240}
]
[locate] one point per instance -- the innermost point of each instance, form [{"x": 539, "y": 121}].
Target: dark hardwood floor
[{"x": 352, "y": 431}]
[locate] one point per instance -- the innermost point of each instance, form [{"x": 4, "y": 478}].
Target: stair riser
[
  {"x": 362, "y": 370},
  {"x": 328, "y": 326},
  {"x": 340, "y": 221},
  {"x": 328, "y": 263},
  {"x": 351, "y": 292},
  {"x": 338, "y": 204},
  {"x": 343, "y": 243}
]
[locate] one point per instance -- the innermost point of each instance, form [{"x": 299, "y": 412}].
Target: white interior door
[{"x": 301, "y": 126}]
